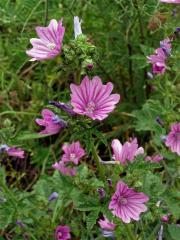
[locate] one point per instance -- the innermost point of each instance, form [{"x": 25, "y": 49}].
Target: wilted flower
[
  {"x": 52, "y": 123},
  {"x": 101, "y": 192},
  {"x": 163, "y": 138},
  {"x": 109, "y": 182},
  {"x": 150, "y": 75},
  {"x": 53, "y": 196},
  {"x": 12, "y": 151},
  {"x": 177, "y": 32},
  {"x": 127, "y": 204},
  {"x": 126, "y": 152},
  {"x": 166, "y": 46},
  {"x": 49, "y": 43},
  {"x": 77, "y": 27},
  {"x": 62, "y": 233},
  {"x": 160, "y": 233},
  {"x": 170, "y": 1},
  {"x": 154, "y": 159},
  {"x": 64, "y": 106},
  {"x": 173, "y": 138},
  {"x": 93, "y": 99},
  {"x": 3, "y": 147},
  {"x": 15, "y": 152},
  {"x": 159, "y": 121},
  {"x": 106, "y": 224},
  {"x": 72, "y": 152}
]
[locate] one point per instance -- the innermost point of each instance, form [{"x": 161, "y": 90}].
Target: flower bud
[
  {"x": 101, "y": 192},
  {"x": 53, "y": 196}
]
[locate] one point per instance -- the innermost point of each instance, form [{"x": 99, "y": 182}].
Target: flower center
[
  {"x": 90, "y": 107},
  {"x": 59, "y": 234},
  {"x": 72, "y": 156},
  {"x": 51, "y": 46},
  {"x": 122, "y": 201}
]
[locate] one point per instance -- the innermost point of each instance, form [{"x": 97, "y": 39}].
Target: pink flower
[
  {"x": 106, "y": 224},
  {"x": 72, "y": 152},
  {"x": 15, "y": 152},
  {"x": 126, "y": 152},
  {"x": 158, "y": 61},
  {"x": 154, "y": 159},
  {"x": 127, "y": 204},
  {"x": 170, "y": 1},
  {"x": 93, "y": 99},
  {"x": 61, "y": 166},
  {"x": 51, "y": 122},
  {"x": 173, "y": 138},
  {"x": 49, "y": 43},
  {"x": 62, "y": 233}
]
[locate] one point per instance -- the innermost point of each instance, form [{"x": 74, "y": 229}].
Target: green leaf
[
  {"x": 146, "y": 117},
  {"x": 28, "y": 136},
  {"x": 174, "y": 231},
  {"x": 92, "y": 218}
]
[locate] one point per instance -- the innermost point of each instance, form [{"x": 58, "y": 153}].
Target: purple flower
[
  {"x": 127, "y": 204},
  {"x": 64, "y": 106},
  {"x": 170, "y": 1},
  {"x": 106, "y": 224},
  {"x": 53, "y": 196},
  {"x": 15, "y": 152},
  {"x": 52, "y": 123},
  {"x": 77, "y": 27},
  {"x": 158, "y": 61},
  {"x": 93, "y": 99},
  {"x": 126, "y": 152},
  {"x": 65, "y": 170},
  {"x": 62, "y": 233},
  {"x": 154, "y": 159},
  {"x": 72, "y": 152},
  {"x": 20, "y": 223},
  {"x": 49, "y": 43},
  {"x": 173, "y": 138}
]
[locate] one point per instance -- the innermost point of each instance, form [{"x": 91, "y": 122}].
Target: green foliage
[
  {"x": 117, "y": 38},
  {"x": 174, "y": 231}
]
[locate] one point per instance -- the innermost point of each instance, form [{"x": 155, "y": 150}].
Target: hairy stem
[
  {"x": 97, "y": 160},
  {"x": 46, "y": 12},
  {"x": 129, "y": 233}
]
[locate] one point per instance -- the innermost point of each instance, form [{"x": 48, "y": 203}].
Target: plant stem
[
  {"x": 46, "y": 12},
  {"x": 151, "y": 237},
  {"x": 97, "y": 160},
  {"x": 130, "y": 235}
]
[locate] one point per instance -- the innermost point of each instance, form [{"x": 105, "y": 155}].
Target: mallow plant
[{"x": 99, "y": 185}]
